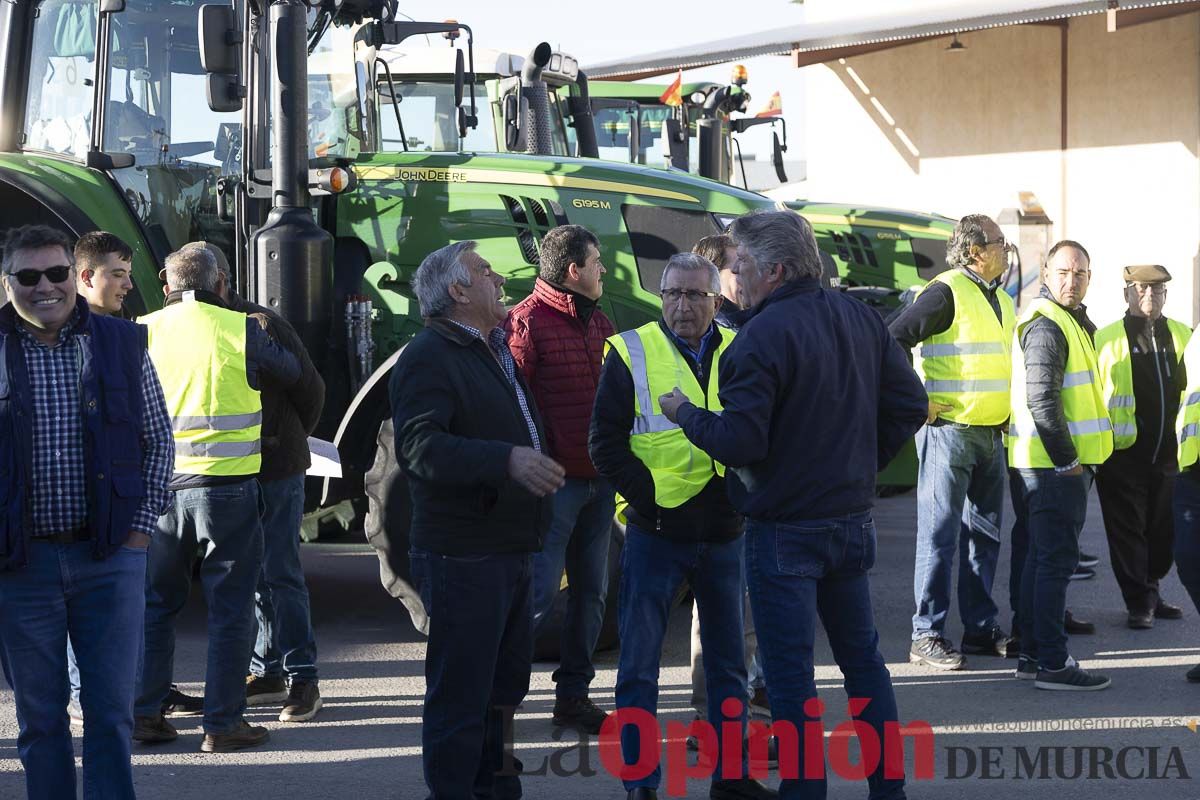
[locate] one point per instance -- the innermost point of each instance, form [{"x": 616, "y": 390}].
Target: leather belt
[{"x": 80, "y": 534}]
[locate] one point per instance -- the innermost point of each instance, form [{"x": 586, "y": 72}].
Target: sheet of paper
[{"x": 325, "y": 459}]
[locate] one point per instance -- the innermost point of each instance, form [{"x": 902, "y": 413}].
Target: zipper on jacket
[{"x": 1162, "y": 393}]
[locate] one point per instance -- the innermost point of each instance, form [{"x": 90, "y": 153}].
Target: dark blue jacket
[
  {"x": 817, "y": 396},
  {"x": 113, "y": 351}
]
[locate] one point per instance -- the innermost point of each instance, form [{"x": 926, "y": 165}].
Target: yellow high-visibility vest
[
  {"x": 679, "y": 468},
  {"x": 199, "y": 351},
  {"x": 1082, "y": 399},
  {"x": 1187, "y": 426},
  {"x": 968, "y": 365},
  {"x": 1116, "y": 376}
]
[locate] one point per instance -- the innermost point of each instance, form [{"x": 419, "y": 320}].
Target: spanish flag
[
  {"x": 774, "y": 107},
  {"x": 673, "y": 96}
]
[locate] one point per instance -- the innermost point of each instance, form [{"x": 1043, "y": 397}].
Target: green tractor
[{"x": 326, "y": 184}]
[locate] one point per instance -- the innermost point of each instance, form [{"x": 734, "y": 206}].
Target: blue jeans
[
  {"x": 285, "y": 643},
  {"x": 1187, "y": 532},
  {"x": 578, "y": 540},
  {"x": 652, "y": 571},
  {"x": 800, "y": 571},
  {"x": 960, "y": 492},
  {"x": 100, "y": 604},
  {"x": 224, "y": 521},
  {"x": 477, "y": 668},
  {"x": 1055, "y": 508}
]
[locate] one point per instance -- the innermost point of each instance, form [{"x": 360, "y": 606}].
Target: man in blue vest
[
  {"x": 87, "y": 456},
  {"x": 211, "y": 361}
]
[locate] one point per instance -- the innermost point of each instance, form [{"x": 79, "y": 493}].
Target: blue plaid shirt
[
  {"x": 58, "y": 495},
  {"x": 497, "y": 340}
]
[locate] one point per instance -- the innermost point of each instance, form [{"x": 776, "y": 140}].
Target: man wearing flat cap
[{"x": 1139, "y": 361}]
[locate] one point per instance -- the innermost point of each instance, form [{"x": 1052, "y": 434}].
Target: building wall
[{"x": 919, "y": 127}]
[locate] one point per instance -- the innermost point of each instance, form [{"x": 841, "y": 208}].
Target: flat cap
[
  {"x": 1146, "y": 273},
  {"x": 222, "y": 262}
]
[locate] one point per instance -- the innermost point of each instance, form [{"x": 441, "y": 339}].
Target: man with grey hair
[
  {"x": 283, "y": 667},
  {"x": 816, "y": 396},
  {"x": 211, "y": 361},
  {"x": 469, "y": 441},
  {"x": 680, "y": 525},
  {"x": 960, "y": 330}
]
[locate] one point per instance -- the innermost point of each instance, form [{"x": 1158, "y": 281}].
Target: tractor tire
[
  {"x": 389, "y": 515},
  {"x": 547, "y": 636}
]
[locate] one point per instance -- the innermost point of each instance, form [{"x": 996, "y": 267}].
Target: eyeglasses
[
  {"x": 1156, "y": 289},
  {"x": 32, "y": 277},
  {"x": 692, "y": 295},
  {"x": 1004, "y": 243}
]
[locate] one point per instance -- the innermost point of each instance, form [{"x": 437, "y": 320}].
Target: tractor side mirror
[
  {"x": 777, "y": 158},
  {"x": 512, "y": 108},
  {"x": 220, "y": 56}
]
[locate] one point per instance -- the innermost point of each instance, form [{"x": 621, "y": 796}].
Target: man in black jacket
[
  {"x": 681, "y": 525},
  {"x": 469, "y": 441},
  {"x": 816, "y": 396},
  {"x": 284, "y": 646}
]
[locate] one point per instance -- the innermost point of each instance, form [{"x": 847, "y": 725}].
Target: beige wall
[{"x": 919, "y": 127}]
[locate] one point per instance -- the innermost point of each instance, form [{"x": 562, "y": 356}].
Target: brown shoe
[
  {"x": 153, "y": 730},
  {"x": 303, "y": 703},
  {"x": 243, "y": 736}
]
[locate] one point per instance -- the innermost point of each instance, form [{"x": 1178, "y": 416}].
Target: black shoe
[
  {"x": 580, "y": 713},
  {"x": 1077, "y": 627},
  {"x": 1027, "y": 668},
  {"x": 1071, "y": 679},
  {"x": 1013, "y": 648},
  {"x": 1140, "y": 622},
  {"x": 1193, "y": 674},
  {"x": 153, "y": 730},
  {"x": 1082, "y": 573},
  {"x": 243, "y": 736},
  {"x": 179, "y": 704},
  {"x": 991, "y": 642},
  {"x": 303, "y": 703},
  {"x": 1164, "y": 610},
  {"x": 265, "y": 690},
  {"x": 936, "y": 652},
  {"x": 740, "y": 789},
  {"x": 1088, "y": 560},
  {"x": 642, "y": 793}
]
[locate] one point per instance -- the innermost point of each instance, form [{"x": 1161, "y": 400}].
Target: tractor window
[
  {"x": 656, "y": 233},
  {"x": 58, "y": 116},
  {"x": 929, "y": 256},
  {"x": 612, "y": 131},
  {"x": 155, "y": 110},
  {"x": 430, "y": 120}
]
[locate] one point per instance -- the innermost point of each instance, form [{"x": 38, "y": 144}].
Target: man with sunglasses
[
  {"x": 85, "y": 468},
  {"x": 960, "y": 329},
  {"x": 1142, "y": 379},
  {"x": 681, "y": 526}
]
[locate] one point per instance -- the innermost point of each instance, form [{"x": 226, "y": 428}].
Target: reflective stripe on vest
[
  {"x": 967, "y": 366},
  {"x": 680, "y": 470},
  {"x": 1082, "y": 400},
  {"x": 199, "y": 351},
  {"x": 1187, "y": 425},
  {"x": 1116, "y": 376}
]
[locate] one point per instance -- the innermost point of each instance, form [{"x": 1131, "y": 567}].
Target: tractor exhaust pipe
[{"x": 537, "y": 98}]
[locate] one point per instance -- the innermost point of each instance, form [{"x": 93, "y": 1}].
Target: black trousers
[{"x": 1135, "y": 498}]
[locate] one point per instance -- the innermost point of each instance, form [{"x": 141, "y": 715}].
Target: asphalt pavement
[{"x": 992, "y": 735}]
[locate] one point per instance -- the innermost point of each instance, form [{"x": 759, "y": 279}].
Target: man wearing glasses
[
  {"x": 1140, "y": 371},
  {"x": 681, "y": 526},
  {"x": 960, "y": 330},
  {"x": 83, "y": 473}
]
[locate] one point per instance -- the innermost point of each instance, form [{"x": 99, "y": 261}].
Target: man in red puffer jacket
[{"x": 557, "y": 339}]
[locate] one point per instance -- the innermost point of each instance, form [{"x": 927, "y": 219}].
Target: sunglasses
[{"x": 32, "y": 277}]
